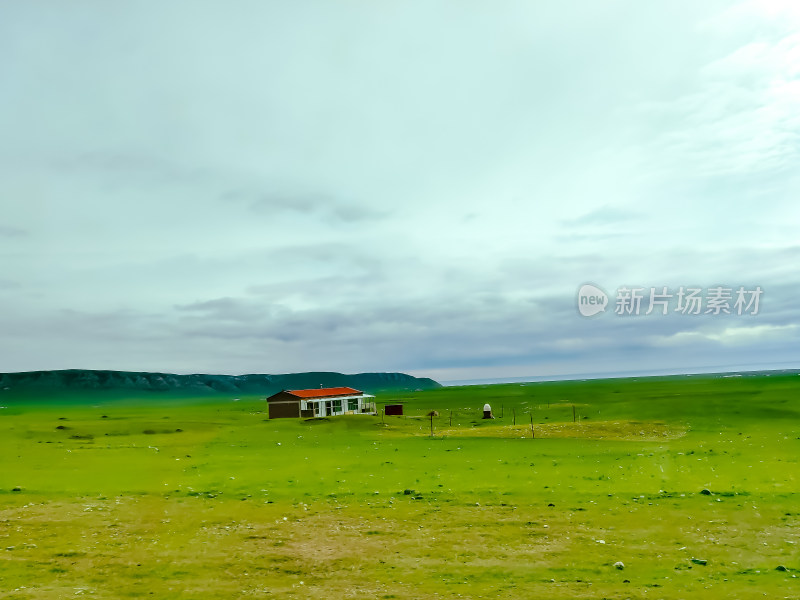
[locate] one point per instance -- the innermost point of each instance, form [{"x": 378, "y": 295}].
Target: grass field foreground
[{"x": 691, "y": 483}]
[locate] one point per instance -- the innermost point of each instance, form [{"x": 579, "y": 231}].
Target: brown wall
[
  {"x": 283, "y": 406},
  {"x": 284, "y": 410}
]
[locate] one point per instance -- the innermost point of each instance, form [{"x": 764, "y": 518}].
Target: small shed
[{"x": 393, "y": 410}]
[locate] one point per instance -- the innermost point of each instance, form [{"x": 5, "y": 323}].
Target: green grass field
[{"x": 206, "y": 498}]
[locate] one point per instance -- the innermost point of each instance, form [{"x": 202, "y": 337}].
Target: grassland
[{"x": 692, "y": 483}]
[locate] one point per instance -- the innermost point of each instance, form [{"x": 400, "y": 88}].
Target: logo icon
[{"x": 591, "y": 300}]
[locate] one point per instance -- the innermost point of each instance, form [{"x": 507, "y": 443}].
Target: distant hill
[{"x": 80, "y": 380}]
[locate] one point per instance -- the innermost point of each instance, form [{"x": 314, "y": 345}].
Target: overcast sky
[{"x": 272, "y": 187}]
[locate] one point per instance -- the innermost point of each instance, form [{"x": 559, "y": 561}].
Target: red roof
[{"x": 324, "y": 392}]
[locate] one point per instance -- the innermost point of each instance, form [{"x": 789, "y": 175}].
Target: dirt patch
[{"x": 596, "y": 430}]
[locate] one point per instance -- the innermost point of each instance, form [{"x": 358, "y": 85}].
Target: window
[
  {"x": 337, "y": 406},
  {"x": 352, "y": 404}
]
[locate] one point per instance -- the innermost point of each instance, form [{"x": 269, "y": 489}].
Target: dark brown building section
[
  {"x": 284, "y": 406},
  {"x": 287, "y": 409},
  {"x": 393, "y": 410}
]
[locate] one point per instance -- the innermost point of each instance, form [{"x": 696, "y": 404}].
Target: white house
[{"x": 322, "y": 402}]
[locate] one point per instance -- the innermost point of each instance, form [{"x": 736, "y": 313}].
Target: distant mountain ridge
[{"x": 85, "y": 380}]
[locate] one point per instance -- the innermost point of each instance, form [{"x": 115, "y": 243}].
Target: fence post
[{"x": 432, "y": 414}]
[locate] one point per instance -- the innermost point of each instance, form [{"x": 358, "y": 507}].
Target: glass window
[{"x": 352, "y": 404}]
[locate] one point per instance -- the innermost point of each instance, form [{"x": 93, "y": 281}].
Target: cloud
[
  {"x": 735, "y": 336},
  {"x": 8, "y": 284},
  {"x": 601, "y": 217},
  {"x": 317, "y": 206},
  {"x": 130, "y": 167},
  {"x": 740, "y": 115},
  {"x": 12, "y": 232},
  {"x": 225, "y": 311}
]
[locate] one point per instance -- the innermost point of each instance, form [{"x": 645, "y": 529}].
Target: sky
[{"x": 274, "y": 187}]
